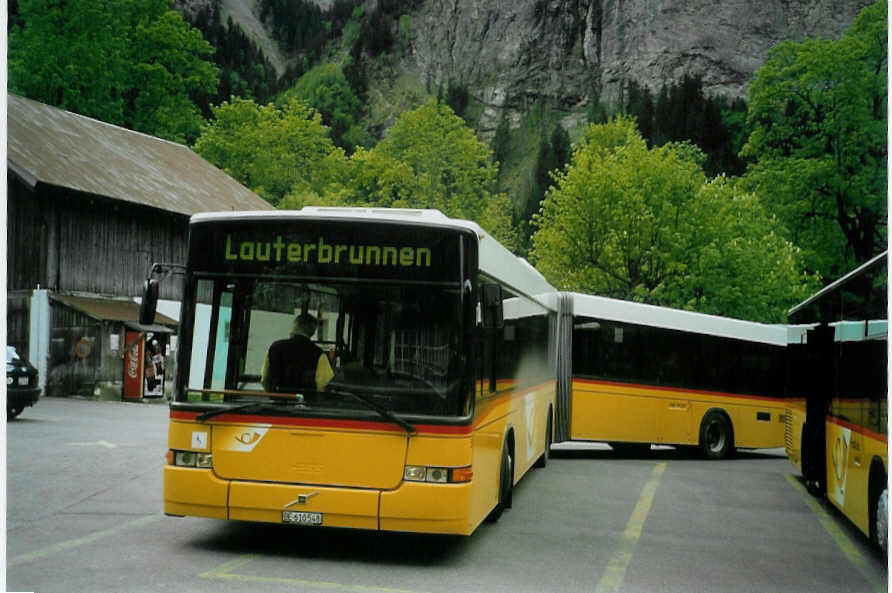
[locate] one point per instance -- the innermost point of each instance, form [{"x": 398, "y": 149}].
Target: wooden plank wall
[
  {"x": 18, "y": 321},
  {"x": 26, "y": 241},
  {"x": 69, "y": 241}
]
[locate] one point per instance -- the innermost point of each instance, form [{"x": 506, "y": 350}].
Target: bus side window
[{"x": 486, "y": 348}]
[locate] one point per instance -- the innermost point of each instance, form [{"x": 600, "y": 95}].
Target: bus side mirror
[
  {"x": 149, "y": 302},
  {"x": 492, "y": 306}
]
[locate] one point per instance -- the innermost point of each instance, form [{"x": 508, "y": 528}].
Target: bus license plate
[
  {"x": 23, "y": 381},
  {"x": 301, "y": 518}
]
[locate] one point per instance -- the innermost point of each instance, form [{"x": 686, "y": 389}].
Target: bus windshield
[{"x": 389, "y": 346}]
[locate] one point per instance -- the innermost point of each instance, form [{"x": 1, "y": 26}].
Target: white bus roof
[
  {"x": 676, "y": 319},
  {"x": 495, "y": 260},
  {"x": 432, "y": 217},
  {"x": 839, "y": 282}
]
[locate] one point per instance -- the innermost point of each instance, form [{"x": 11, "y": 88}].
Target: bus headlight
[
  {"x": 189, "y": 459},
  {"x": 438, "y": 475}
]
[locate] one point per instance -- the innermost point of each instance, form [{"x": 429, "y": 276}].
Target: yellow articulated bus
[
  {"x": 836, "y": 425},
  {"x": 362, "y": 368},
  {"x": 642, "y": 375}
]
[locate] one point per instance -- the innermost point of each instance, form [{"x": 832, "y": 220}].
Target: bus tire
[
  {"x": 716, "y": 436},
  {"x": 878, "y": 508},
  {"x": 543, "y": 460},
  {"x": 12, "y": 412},
  {"x": 506, "y": 484}
]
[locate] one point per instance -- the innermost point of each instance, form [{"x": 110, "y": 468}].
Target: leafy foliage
[
  {"x": 273, "y": 151},
  {"x": 299, "y": 25},
  {"x": 818, "y": 116},
  {"x": 430, "y": 159},
  {"x": 377, "y": 33},
  {"x": 244, "y": 70},
  {"x": 458, "y": 97},
  {"x": 454, "y": 170},
  {"x": 501, "y": 141},
  {"x": 646, "y": 224},
  {"x": 327, "y": 90},
  {"x": 682, "y": 111},
  {"x": 554, "y": 153},
  {"x": 133, "y": 63}
]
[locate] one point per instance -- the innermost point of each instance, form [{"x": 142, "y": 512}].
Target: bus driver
[{"x": 296, "y": 364}]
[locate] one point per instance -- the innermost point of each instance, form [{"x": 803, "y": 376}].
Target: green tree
[
  {"x": 634, "y": 223},
  {"x": 817, "y": 110},
  {"x": 326, "y": 89},
  {"x": 244, "y": 70},
  {"x": 273, "y": 151},
  {"x": 554, "y": 153},
  {"x": 501, "y": 142},
  {"x": 454, "y": 170},
  {"x": 378, "y": 179},
  {"x": 134, "y": 63}
]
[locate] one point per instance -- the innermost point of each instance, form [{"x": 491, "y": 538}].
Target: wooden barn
[{"x": 90, "y": 206}]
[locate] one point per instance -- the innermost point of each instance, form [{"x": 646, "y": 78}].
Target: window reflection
[{"x": 398, "y": 344}]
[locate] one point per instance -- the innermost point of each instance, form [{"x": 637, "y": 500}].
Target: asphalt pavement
[{"x": 84, "y": 514}]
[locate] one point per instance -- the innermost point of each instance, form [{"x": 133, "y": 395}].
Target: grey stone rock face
[{"x": 510, "y": 53}]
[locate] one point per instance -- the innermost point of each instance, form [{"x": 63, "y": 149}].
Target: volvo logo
[{"x": 301, "y": 499}]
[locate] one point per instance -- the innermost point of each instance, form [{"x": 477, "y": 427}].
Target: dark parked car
[{"x": 21, "y": 383}]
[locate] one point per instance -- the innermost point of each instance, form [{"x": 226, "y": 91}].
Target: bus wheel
[
  {"x": 12, "y": 412},
  {"x": 543, "y": 460},
  {"x": 506, "y": 484},
  {"x": 716, "y": 438},
  {"x": 879, "y": 532}
]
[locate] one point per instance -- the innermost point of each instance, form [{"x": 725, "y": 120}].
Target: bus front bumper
[{"x": 412, "y": 507}]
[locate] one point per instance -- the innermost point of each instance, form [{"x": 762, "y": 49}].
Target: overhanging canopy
[{"x": 115, "y": 309}]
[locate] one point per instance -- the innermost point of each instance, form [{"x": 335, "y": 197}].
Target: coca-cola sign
[
  {"x": 133, "y": 362},
  {"x": 133, "y": 367}
]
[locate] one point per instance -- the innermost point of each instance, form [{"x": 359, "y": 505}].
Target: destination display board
[{"x": 327, "y": 249}]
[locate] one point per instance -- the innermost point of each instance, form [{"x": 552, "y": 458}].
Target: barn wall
[
  {"x": 72, "y": 242},
  {"x": 18, "y": 321},
  {"x": 26, "y": 240}
]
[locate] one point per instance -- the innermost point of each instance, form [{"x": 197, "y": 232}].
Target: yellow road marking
[
  {"x": 224, "y": 572},
  {"x": 616, "y": 568},
  {"x": 73, "y": 543},
  {"x": 844, "y": 543}
]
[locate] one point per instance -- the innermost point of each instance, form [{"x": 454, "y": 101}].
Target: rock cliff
[{"x": 510, "y": 53}]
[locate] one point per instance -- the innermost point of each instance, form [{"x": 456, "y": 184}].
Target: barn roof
[
  {"x": 47, "y": 145},
  {"x": 114, "y": 309}
]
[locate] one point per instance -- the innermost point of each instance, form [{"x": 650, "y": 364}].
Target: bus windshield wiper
[
  {"x": 376, "y": 407},
  {"x": 208, "y": 415}
]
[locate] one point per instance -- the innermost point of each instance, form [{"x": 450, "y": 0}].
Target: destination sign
[
  {"x": 321, "y": 248},
  {"x": 322, "y": 252}
]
